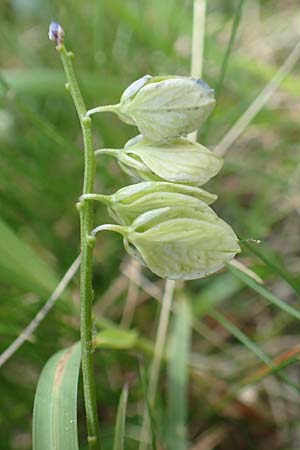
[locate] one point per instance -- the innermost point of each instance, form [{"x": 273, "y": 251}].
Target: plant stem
[{"x": 86, "y": 225}]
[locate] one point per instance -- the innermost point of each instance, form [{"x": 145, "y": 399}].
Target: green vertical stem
[{"x": 86, "y": 224}]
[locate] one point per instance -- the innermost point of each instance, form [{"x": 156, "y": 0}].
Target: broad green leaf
[
  {"x": 120, "y": 421},
  {"x": 178, "y": 379},
  {"x": 55, "y": 404},
  {"x": 21, "y": 266}
]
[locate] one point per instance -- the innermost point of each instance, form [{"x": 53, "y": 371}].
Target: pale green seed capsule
[
  {"x": 166, "y": 107},
  {"x": 128, "y": 194},
  {"x": 176, "y": 243},
  {"x": 177, "y": 160},
  {"x": 126, "y": 213},
  {"x": 131, "y": 201},
  {"x": 179, "y": 242}
]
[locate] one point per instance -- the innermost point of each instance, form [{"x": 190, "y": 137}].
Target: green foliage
[
  {"x": 178, "y": 378},
  {"x": 40, "y": 179},
  {"x": 55, "y": 404},
  {"x": 20, "y": 265},
  {"x": 120, "y": 421}
]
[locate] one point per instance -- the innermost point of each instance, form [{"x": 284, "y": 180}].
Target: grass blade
[
  {"x": 223, "y": 287},
  {"x": 153, "y": 435},
  {"x": 262, "y": 253},
  {"x": 235, "y": 25},
  {"x": 120, "y": 421},
  {"x": 55, "y": 404},
  {"x": 177, "y": 379},
  {"x": 21, "y": 266},
  {"x": 265, "y": 293},
  {"x": 240, "y": 336},
  {"x": 41, "y": 314}
]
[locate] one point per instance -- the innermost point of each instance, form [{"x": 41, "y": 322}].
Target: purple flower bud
[{"x": 56, "y": 33}]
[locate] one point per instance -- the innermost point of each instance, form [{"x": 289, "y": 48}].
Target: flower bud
[
  {"x": 166, "y": 107},
  {"x": 179, "y": 243},
  {"x": 56, "y": 33},
  {"x": 177, "y": 160}
]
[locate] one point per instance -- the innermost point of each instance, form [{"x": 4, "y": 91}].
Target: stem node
[
  {"x": 86, "y": 120},
  {"x": 91, "y": 241},
  {"x": 79, "y": 206}
]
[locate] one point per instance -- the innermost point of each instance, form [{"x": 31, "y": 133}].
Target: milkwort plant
[{"x": 165, "y": 219}]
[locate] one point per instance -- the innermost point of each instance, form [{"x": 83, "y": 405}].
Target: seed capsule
[
  {"x": 166, "y": 107},
  {"x": 176, "y": 160},
  {"x": 179, "y": 243},
  {"x": 126, "y": 213},
  {"x": 182, "y": 247},
  {"x": 131, "y": 201}
]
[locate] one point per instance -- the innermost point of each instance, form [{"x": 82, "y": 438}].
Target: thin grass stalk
[
  {"x": 199, "y": 13},
  {"x": 41, "y": 314},
  {"x": 234, "y": 29},
  {"x": 264, "y": 96},
  {"x": 159, "y": 349}
]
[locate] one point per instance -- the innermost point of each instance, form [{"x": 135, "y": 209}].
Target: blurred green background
[{"x": 41, "y": 164}]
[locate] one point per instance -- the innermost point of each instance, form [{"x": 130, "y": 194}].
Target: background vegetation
[{"x": 244, "y": 356}]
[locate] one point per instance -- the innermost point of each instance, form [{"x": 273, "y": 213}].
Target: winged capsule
[
  {"x": 177, "y": 243},
  {"x": 185, "y": 248},
  {"x": 126, "y": 213},
  {"x": 176, "y": 160},
  {"x": 131, "y": 201},
  {"x": 164, "y": 107}
]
